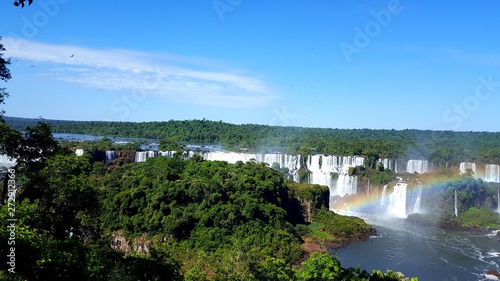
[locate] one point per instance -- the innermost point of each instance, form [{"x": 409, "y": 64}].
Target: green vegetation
[
  {"x": 477, "y": 218},
  {"x": 343, "y": 227},
  {"x": 164, "y": 219},
  {"x": 439, "y": 147},
  {"x": 103, "y": 144},
  {"x": 475, "y": 198}
]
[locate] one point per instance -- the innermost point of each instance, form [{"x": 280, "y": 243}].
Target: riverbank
[{"x": 329, "y": 230}]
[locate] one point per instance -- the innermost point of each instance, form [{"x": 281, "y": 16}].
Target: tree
[
  {"x": 318, "y": 267},
  {"x": 67, "y": 201},
  {"x": 4, "y": 71},
  {"x": 4, "y": 75},
  {"x": 21, "y": 3}
]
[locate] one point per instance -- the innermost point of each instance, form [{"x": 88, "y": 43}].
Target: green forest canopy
[
  {"x": 438, "y": 147},
  {"x": 200, "y": 220}
]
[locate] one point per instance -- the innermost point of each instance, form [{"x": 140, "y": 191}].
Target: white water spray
[
  {"x": 417, "y": 198},
  {"x": 110, "y": 155},
  {"x": 417, "y": 166},
  {"x": 383, "y": 198},
  {"x": 492, "y": 173},
  {"x": 397, "y": 201},
  {"x": 456, "y": 204}
]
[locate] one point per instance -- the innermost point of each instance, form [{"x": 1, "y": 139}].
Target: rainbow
[{"x": 372, "y": 200}]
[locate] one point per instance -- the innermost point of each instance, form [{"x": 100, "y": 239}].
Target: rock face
[
  {"x": 139, "y": 245},
  {"x": 494, "y": 273},
  {"x": 127, "y": 155},
  {"x": 120, "y": 243}
]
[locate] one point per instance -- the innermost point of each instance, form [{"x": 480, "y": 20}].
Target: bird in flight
[
  {"x": 72, "y": 55},
  {"x": 32, "y": 65},
  {"x": 40, "y": 117}
]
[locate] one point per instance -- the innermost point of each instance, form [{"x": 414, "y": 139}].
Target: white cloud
[
  {"x": 465, "y": 57},
  {"x": 185, "y": 79}
]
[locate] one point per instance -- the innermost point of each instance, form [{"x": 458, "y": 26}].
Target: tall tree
[{"x": 4, "y": 75}]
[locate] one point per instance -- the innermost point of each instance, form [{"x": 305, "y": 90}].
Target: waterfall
[
  {"x": 368, "y": 190},
  {"x": 346, "y": 185},
  {"x": 79, "y": 152},
  {"x": 322, "y": 168},
  {"x": 419, "y": 166},
  {"x": 498, "y": 201},
  {"x": 464, "y": 166},
  {"x": 168, "y": 154},
  {"x": 383, "y": 198},
  {"x": 492, "y": 173},
  {"x": 391, "y": 164},
  {"x": 417, "y": 198},
  {"x": 397, "y": 201},
  {"x": 141, "y": 156},
  {"x": 291, "y": 162},
  {"x": 110, "y": 156},
  {"x": 456, "y": 204}
]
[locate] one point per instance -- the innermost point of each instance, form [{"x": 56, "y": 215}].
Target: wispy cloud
[
  {"x": 186, "y": 79},
  {"x": 459, "y": 55}
]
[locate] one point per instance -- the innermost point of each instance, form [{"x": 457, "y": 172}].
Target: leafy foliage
[{"x": 22, "y": 3}]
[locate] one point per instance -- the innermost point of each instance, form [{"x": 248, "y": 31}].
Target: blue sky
[{"x": 338, "y": 64}]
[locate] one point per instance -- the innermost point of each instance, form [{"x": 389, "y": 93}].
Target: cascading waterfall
[
  {"x": 141, "y": 156},
  {"x": 291, "y": 162},
  {"x": 168, "y": 154},
  {"x": 492, "y": 173},
  {"x": 391, "y": 164},
  {"x": 110, "y": 156},
  {"x": 346, "y": 184},
  {"x": 498, "y": 201},
  {"x": 322, "y": 168},
  {"x": 456, "y": 204},
  {"x": 417, "y": 198},
  {"x": 464, "y": 166},
  {"x": 418, "y": 166},
  {"x": 79, "y": 152},
  {"x": 383, "y": 198},
  {"x": 397, "y": 201}
]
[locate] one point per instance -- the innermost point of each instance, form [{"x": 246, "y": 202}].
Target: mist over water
[{"x": 427, "y": 253}]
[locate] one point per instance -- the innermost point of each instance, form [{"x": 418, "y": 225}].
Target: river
[{"x": 426, "y": 253}]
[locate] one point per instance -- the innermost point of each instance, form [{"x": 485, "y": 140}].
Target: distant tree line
[{"x": 439, "y": 147}]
